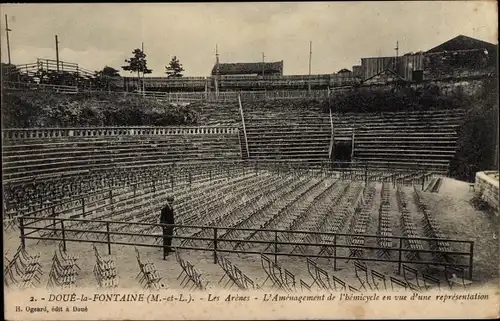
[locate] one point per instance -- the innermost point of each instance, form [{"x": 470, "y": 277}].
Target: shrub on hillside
[
  {"x": 39, "y": 109},
  {"x": 478, "y": 135}
]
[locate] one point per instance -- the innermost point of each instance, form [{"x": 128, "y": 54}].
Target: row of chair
[
  {"x": 384, "y": 223},
  {"x": 319, "y": 218},
  {"x": 321, "y": 279},
  {"x": 254, "y": 213},
  {"x": 234, "y": 275},
  {"x": 23, "y": 270},
  {"x": 360, "y": 221},
  {"x": 148, "y": 275},
  {"x": 239, "y": 207},
  {"x": 105, "y": 270},
  {"x": 64, "y": 269},
  {"x": 433, "y": 230},
  {"x": 191, "y": 274},
  {"x": 408, "y": 226},
  {"x": 282, "y": 212},
  {"x": 281, "y": 278}
]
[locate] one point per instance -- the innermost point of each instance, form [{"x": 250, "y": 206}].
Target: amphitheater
[{"x": 259, "y": 204}]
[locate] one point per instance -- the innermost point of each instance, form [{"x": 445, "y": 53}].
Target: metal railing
[
  {"x": 333, "y": 247},
  {"x": 106, "y": 131}
]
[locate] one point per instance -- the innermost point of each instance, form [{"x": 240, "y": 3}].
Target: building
[
  {"x": 408, "y": 66},
  {"x": 249, "y": 69},
  {"x": 459, "y": 57}
]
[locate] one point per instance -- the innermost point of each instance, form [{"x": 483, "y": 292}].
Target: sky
[{"x": 96, "y": 35}]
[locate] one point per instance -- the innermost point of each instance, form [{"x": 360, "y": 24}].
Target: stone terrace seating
[
  {"x": 405, "y": 140},
  {"x": 304, "y": 142},
  {"x": 41, "y": 156},
  {"x": 302, "y": 132}
]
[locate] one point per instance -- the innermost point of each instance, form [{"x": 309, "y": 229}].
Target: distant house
[
  {"x": 344, "y": 71},
  {"x": 405, "y": 66},
  {"x": 462, "y": 42},
  {"x": 460, "y": 57},
  {"x": 357, "y": 71},
  {"x": 249, "y": 69}
]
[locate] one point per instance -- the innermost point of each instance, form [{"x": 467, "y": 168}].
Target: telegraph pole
[
  {"x": 310, "y": 59},
  {"x": 57, "y": 53},
  {"x": 216, "y": 71},
  {"x": 263, "y": 64},
  {"x": 143, "y": 67},
  {"x": 396, "y": 60},
  {"x": 7, "y": 30}
]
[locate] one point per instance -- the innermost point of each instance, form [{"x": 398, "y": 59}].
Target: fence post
[
  {"x": 21, "y": 228},
  {"x": 366, "y": 173},
  {"x": 335, "y": 252},
  {"x": 111, "y": 196},
  {"x": 471, "y": 259},
  {"x": 400, "y": 255},
  {"x": 63, "y": 235},
  {"x": 276, "y": 247},
  {"x": 215, "y": 245},
  {"x": 83, "y": 206},
  {"x": 108, "y": 237}
]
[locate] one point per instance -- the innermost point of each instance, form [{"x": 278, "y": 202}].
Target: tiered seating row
[{"x": 32, "y": 159}]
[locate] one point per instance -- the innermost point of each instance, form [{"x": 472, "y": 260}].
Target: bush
[{"x": 39, "y": 109}]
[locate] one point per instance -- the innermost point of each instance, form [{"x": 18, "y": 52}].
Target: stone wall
[{"x": 486, "y": 188}]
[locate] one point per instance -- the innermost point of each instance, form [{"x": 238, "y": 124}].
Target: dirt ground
[{"x": 456, "y": 216}]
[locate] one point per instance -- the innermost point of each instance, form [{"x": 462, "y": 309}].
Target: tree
[
  {"x": 10, "y": 72},
  {"x": 174, "y": 68},
  {"x": 137, "y": 63},
  {"x": 108, "y": 72},
  {"x": 103, "y": 78}
]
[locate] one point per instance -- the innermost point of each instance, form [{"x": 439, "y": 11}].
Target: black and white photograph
[{"x": 253, "y": 160}]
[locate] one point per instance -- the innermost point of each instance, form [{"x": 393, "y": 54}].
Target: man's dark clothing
[{"x": 167, "y": 217}]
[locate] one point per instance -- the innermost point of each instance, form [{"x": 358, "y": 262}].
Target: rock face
[{"x": 486, "y": 188}]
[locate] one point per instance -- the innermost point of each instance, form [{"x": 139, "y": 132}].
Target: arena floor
[{"x": 458, "y": 219}]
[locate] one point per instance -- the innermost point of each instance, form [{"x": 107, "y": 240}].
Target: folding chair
[
  {"x": 267, "y": 266},
  {"x": 313, "y": 271},
  {"x": 431, "y": 282},
  {"x": 399, "y": 283},
  {"x": 361, "y": 268},
  {"x": 289, "y": 280},
  {"x": 378, "y": 279},
  {"x": 341, "y": 284},
  {"x": 304, "y": 285},
  {"x": 323, "y": 278},
  {"x": 410, "y": 273},
  {"x": 353, "y": 289}
]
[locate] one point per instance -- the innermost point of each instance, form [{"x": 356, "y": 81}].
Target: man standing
[{"x": 167, "y": 217}]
